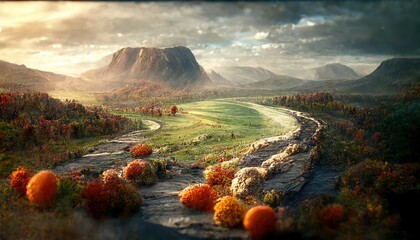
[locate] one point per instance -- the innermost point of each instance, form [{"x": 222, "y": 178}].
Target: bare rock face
[
  {"x": 175, "y": 66},
  {"x": 247, "y": 181}
]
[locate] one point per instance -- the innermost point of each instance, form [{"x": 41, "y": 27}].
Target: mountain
[
  {"x": 14, "y": 76},
  {"x": 218, "y": 79},
  {"x": 335, "y": 71},
  {"x": 275, "y": 83},
  {"x": 244, "y": 75},
  {"x": 391, "y": 77},
  {"x": 175, "y": 66}
]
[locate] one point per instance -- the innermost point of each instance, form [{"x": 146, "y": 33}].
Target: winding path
[
  {"x": 113, "y": 153},
  {"x": 284, "y": 167}
]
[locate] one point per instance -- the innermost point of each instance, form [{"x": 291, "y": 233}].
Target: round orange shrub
[
  {"x": 141, "y": 150},
  {"x": 140, "y": 172},
  {"x": 200, "y": 197},
  {"x": 332, "y": 214},
  {"x": 259, "y": 221},
  {"x": 229, "y": 212},
  {"x": 42, "y": 188},
  {"x": 19, "y": 179}
]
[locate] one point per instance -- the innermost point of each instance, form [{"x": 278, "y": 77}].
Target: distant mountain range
[
  {"x": 142, "y": 71},
  {"x": 391, "y": 77},
  {"x": 175, "y": 66}
]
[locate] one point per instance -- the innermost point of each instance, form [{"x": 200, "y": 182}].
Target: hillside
[
  {"x": 175, "y": 66},
  {"x": 392, "y": 76},
  {"x": 218, "y": 79},
  {"x": 244, "y": 75},
  {"x": 14, "y": 76},
  {"x": 335, "y": 71},
  {"x": 277, "y": 82}
]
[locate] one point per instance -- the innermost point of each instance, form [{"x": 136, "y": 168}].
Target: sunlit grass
[{"x": 212, "y": 127}]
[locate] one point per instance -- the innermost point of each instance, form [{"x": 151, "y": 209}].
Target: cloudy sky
[{"x": 66, "y": 37}]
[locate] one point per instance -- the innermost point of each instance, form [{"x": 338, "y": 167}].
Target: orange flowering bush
[
  {"x": 200, "y": 197},
  {"x": 332, "y": 214},
  {"x": 229, "y": 212},
  {"x": 140, "y": 172},
  {"x": 112, "y": 197},
  {"x": 259, "y": 221},
  {"x": 19, "y": 179},
  {"x": 141, "y": 150},
  {"x": 42, "y": 188}
]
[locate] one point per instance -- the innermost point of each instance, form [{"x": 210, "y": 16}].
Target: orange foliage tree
[{"x": 174, "y": 110}]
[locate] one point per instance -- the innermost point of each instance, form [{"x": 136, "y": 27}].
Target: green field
[{"x": 212, "y": 129}]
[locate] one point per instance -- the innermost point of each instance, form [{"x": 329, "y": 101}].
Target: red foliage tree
[{"x": 174, "y": 110}]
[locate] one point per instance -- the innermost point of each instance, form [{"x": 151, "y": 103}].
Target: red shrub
[
  {"x": 200, "y": 197},
  {"x": 140, "y": 172},
  {"x": 113, "y": 197},
  {"x": 332, "y": 214},
  {"x": 220, "y": 176},
  {"x": 19, "y": 179},
  {"x": 141, "y": 150},
  {"x": 174, "y": 110}
]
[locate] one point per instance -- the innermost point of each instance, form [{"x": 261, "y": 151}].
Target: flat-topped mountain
[{"x": 174, "y": 66}]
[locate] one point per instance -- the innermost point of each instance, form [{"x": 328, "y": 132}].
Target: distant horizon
[{"x": 283, "y": 37}]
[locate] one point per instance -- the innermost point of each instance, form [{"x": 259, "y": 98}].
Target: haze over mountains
[
  {"x": 16, "y": 76},
  {"x": 144, "y": 70}
]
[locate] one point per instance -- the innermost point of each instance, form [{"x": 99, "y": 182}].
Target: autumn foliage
[
  {"x": 200, "y": 197},
  {"x": 229, "y": 212},
  {"x": 174, "y": 110},
  {"x": 260, "y": 221},
  {"x": 140, "y": 172},
  {"x": 19, "y": 179},
  {"x": 220, "y": 176},
  {"x": 141, "y": 150},
  {"x": 112, "y": 197},
  {"x": 332, "y": 214},
  {"x": 42, "y": 188}
]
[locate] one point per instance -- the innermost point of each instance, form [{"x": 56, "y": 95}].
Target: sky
[{"x": 72, "y": 37}]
